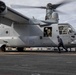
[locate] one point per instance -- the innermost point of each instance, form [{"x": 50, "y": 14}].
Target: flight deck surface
[{"x": 37, "y": 63}]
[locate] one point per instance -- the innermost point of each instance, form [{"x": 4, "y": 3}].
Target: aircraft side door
[
  {"x": 50, "y": 35},
  {"x": 47, "y": 34}
]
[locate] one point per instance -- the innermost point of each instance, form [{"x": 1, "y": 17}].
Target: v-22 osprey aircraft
[{"x": 17, "y": 30}]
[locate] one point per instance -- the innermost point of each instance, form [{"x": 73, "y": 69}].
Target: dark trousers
[{"x": 61, "y": 45}]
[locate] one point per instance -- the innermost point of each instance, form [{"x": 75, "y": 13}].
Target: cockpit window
[
  {"x": 70, "y": 30},
  {"x": 63, "y": 29},
  {"x": 47, "y": 31}
]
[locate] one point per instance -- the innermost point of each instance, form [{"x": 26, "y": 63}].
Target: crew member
[{"x": 60, "y": 44}]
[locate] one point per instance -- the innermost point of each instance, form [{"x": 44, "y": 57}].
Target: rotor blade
[
  {"x": 60, "y": 12},
  {"x": 23, "y": 6},
  {"x": 54, "y": 6}
]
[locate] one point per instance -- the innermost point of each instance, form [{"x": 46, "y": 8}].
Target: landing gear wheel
[
  {"x": 20, "y": 49},
  {"x": 3, "y": 48}
]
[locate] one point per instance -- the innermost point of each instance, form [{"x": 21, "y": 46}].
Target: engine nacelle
[
  {"x": 55, "y": 16},
  {"x": 3, "y": 8}
]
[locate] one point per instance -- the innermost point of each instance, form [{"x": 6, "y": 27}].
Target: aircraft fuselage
[{"x": 36, "y": 36}]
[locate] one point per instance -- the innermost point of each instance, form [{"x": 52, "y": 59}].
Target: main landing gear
[
  {"x": 3, "y": 48},
  {"x": 20, "y": 49}
]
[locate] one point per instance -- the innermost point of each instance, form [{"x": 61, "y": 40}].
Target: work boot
[{"x": 59, "y": 52}]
